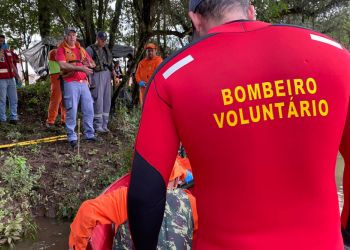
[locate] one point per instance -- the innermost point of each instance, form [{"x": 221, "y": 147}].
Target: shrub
[
  {"x": 17, "y": 183},
  {"x": 34, "y": 99}
]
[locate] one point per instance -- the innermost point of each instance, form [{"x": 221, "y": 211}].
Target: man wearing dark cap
[
  {"x": 269, "y": 122},
  {"x": 101, "y": 81}
]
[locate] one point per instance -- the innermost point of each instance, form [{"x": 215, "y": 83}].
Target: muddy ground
[{"x": 70, "y": 175}]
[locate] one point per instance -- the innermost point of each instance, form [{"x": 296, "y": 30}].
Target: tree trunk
[
  {"x": 115, "y": 23},
  {"x": 44, "y": 18},
  {"x": 158, "y": 35},
  {"x": 143, "y": 15},
  {"x": 85, "y": 13},
  {"x": 100, "y": 15},
  {"x": 164, "y": 36}
]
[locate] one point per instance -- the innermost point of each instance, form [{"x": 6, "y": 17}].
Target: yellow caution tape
[{"x": 36, "y": 141}]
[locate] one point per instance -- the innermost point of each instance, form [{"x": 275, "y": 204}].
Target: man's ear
[
  {"x": 251, "y": 12},
  {"x": 196, "y": 20}
]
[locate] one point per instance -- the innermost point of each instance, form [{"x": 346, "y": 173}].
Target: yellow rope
[{"x": 37, "y": 141}]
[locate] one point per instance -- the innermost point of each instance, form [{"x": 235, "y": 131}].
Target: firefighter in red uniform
[
  {"x": 269, "y": 122},
  {"x": 8, "y": 72}
]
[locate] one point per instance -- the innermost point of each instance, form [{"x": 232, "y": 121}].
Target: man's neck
[
  {"x": 229, "y": 17},
  {"x": 99, "y": 46}
]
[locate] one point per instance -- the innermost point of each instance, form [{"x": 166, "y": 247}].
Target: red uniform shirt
[
  {"x": 77, "y": 75},
  {"x": 7, "y": 69},
  {"x": 262, "y": 133}
]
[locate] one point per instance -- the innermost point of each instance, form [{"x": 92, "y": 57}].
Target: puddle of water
[{"x": 52, "y": 235}]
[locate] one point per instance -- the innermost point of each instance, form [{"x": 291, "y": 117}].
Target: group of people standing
[
  {"x": 76, "y": 76},
  {"x": 85, "y": 76},
  {"x": 71, "y": 66}
]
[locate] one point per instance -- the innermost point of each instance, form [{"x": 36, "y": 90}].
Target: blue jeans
[
  {"x": 8, "y": 88},
  {"x": 73, "y": 93}
]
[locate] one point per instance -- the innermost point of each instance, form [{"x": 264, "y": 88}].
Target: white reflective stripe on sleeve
[
  {"x": 325, "y": 40},
  {"x": 177, "y": 66},
  {"x": 98, "y": 116},
  {"x": 4, "y": 70},
  {"x": 105, "y": 114}
]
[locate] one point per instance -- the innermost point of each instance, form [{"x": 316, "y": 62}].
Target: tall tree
[
  {"x": 44, "y": 18},
  {"x": 20, "y": 23},
  {"x": 113, "y": 28},
  {"x": 84, "y": 13}
]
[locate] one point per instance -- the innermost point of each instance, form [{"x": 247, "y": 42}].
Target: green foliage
[
  {"x": 69, "y": 205},
  {"x": 93, "y": 152},
  {"x": 35, "y": 148},
  {"x": 328, "y": 16},
  {"x": 10, "y": 219},
  {"x": 77, "y": 161},
  {"x": 18, "y": 177},
  {"x": 34, "y": 99},
  {"x": 20, "y": 19},
  {"x": 127, "y": 123},
  {"x": 270, "y": 11},
  {"x": 125, "y": 161},
  {"x": 18, "y": 181},
  {"x": 13, "y": 135},
  {"x": 89, "y": 184}
]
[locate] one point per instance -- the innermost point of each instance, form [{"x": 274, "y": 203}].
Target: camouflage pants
[{"x": 177, "y": 228}]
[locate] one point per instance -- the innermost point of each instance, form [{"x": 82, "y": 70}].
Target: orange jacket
[
  {"x": 146, "y": 68},
  {"x": 106, "y": 209},
  {"x": 71, "y": 57},
  {"x": 52, "y": 55},
  {"x": 112, "y": 208}
]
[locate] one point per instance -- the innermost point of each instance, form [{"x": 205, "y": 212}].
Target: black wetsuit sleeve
[
  {"x": 145, "y": 211},
  {"x": 156, "y": 148}
]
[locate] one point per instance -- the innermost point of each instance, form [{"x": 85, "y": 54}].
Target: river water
[{"x": 53, "y": 235}]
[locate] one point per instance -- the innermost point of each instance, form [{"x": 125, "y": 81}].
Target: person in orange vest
[
  {"x": 56, "y": 93},
  {"x": 76, "y": 65},
  {"x": 146, "y": 68},
  {"x": 8, "y": 73},
  {"x": 179, "y": 225}
]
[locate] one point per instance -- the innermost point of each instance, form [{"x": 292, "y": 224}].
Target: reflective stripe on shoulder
[
  {"x": 325, "y": 40},
  {"x": 4, "y": 70},
  {"x": 177, "y": 66}
]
